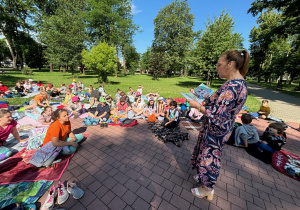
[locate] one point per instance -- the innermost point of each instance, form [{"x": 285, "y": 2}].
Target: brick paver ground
[{"x": 128, "y": 168}]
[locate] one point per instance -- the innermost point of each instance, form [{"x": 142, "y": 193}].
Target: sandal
[
  {"x": 196, "y": 178},
  {"x": 203, "y": 193}
]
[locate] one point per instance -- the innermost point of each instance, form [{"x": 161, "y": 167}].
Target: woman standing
[{"x": 219, "y": 111}]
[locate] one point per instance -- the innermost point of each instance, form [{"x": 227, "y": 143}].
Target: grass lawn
[
  {"x": 166, "y": 87},
  {"x": 286, "y": 88}
]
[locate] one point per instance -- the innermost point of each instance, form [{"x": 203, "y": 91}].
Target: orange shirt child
[
  {"x": 40, "y": 98},
  {"x": 59, "y": 130}
]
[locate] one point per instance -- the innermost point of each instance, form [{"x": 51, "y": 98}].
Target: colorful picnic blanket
[
  {"x": 190, "y": 125},
  {"x": 16, "y": 170},
  {"x": 22, "y": 192}
]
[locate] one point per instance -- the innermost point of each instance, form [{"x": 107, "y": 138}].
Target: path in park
[{"x": 283, "y": 106}]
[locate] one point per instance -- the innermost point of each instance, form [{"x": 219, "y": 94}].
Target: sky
[{"x": 144, "y": 11}]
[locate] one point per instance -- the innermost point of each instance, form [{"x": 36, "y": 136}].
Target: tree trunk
[
  {"x": 51, "y": 67},
  {"x": 67, "y": 68},
  {"x": 82, "y": 70},
  {"x": 64, "y": 68},
  {"x": 13, "y": 54},
  {"x": 124, "y": 60},
  {"x": 209, "y": 79},
  {"x": 117, "y": 62},
  {"x": 59, "y": 69}
]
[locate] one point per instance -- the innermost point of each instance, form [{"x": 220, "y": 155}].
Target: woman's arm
[{"x": 102, "y": 115}]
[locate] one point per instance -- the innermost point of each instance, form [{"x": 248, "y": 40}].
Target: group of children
[{"x": 271, "y": 141}]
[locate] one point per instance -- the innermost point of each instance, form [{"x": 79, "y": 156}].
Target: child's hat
[
  {"x": 160, "y": 98},
  {"x": 75, "y": 98},
  {"x": 122, "y": 99},
  {"x": 103, "y": 99},
  {"x": 30, "y": 80},
  {"x": 74, "y": 80},
  {"x": 137, "y": 94}
]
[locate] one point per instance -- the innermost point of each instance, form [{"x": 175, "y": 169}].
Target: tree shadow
[
  {"x": 113, "y": 83},
  {"x": 188, "y": 84}
]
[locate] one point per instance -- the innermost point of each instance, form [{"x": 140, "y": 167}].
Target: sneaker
[
  {"x": 105, "y": 125},
  {"x": 72, "y": 188},
  {"x": 63, "y": 195},
  {"x": 49, "y": 202},
  {"x": 21, "y": 109},
  {"x": 101, "y": 125}
]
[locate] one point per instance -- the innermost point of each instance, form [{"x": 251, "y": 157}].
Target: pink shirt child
[{"x": 5, "y": 133}]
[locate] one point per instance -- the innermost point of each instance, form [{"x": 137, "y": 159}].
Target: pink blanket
[{"x": 27, "y": 120}]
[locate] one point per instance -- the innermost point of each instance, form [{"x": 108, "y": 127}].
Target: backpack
[
  {"x": 129, "y": 123},
  {"x": 90, "y": 121}
]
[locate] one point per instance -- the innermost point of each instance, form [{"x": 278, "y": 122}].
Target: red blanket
[
  {"x": 279, "y": 160},
  {"x": 15, "y": 170}
]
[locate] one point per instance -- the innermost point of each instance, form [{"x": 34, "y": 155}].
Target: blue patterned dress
[{"x": 221, "y": 110}]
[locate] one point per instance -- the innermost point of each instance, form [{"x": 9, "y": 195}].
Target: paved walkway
[
  {"x": 282, "y": 106},
  {"x": 128, "y": 168}
]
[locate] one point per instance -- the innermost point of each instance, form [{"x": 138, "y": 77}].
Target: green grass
[
  {"x": 286, "y": 88},
  {"x": 166, "y": 87}
]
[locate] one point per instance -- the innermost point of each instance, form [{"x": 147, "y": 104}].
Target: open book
[{"x": 200, "y": 93}]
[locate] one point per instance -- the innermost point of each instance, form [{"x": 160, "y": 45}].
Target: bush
[{"x": 27, "y": 71}]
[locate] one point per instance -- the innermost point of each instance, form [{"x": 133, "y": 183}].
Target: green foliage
[
  {"x": 173, "y": 36},
  {"x": 101, "y": 59},
  {"x": 218, "y": 38},
  {"x": 132, "y": 58},
  {"x": 145, "y": 60},
  {"x": 4, "y": 52},
  {"x": 15, "y": 18},
  {"x": 27, "y": 70},
  {"x": 63, "y": 34},
  {"x": 290, "y": 14}
]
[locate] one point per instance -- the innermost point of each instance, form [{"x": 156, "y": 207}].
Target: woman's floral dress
[{"x": 221, "y": 110}]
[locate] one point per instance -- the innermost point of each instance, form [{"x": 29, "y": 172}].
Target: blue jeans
[{"x": 265, "y": 147}]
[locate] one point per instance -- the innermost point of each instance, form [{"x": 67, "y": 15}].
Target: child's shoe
[
  {"x": 49, "y": 202},
  {"x": 72, "y": 188},
  {"x": 21, "y": 109},
  {"x": 63, "y": 195},
  {"x": 101, "y": 125},
  {"x": 105, "y": 125}
]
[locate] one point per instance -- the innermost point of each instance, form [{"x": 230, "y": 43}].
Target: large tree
[
  {"x": 132, "y": 58},
  {"x": 218, "y": 37},
  {"x": 63, "y": 33},
  {"x": 289, "y": 10},
  {"x": 173, "y": 36},
  {"x": 15, "y": 19},
  {"x": 101, "y": 59},
  {"x": 111, "y": 21}
]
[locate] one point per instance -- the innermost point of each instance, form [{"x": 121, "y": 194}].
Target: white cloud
[{"x": 134, "y": 9}]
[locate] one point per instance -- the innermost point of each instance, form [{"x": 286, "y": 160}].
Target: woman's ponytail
[{"x": 244, "y": 68}]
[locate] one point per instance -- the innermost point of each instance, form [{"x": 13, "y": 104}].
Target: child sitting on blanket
[
  {"x": 60, "y": 133},
  {"x": 161, "y": 107},
  {"x": 68, "y": 98},
  {"x": 264, "y": 110},
  {"x": 7, "y": 127},
  {"x": 273, "y": 138},
  {"x": 138, "y": 107},
  {"x": 150, "y": 109},
  {"x": 75, "y": 108},
  {"x": 46, "y": 116},
  {"x": 63, "y": 88},
  {"x": 102, "y": 111},
  {"x": 80, "y": 93},
  {"x": 122, "y": 109},
  {"x": 247, "y": 133},
  {"x": 195, "y": 115},
  {"x": 172, "y": 118},
  {"x": 37, "y": 101},
  {"x": 19, "y": 88}
]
